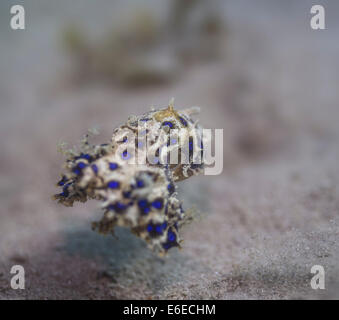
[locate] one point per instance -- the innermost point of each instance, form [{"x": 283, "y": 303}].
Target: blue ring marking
[
  {"x": 166, "y": 246},
  {"x": 62, "y": 181},
  {"x": 119, "y": 207},
  {"x": 76, "y": 171},
  {"x": 127, "y": 194},
  {"x": 146, "y": 210},
  {"x": 82, "y": 165},
  {"x": 113, "y": 184},
  {"x": 113, "y": 166},
  {"x": 86, "y": 156},
  {"x": 140, "y": 183},
  {"x": 65, "y": 192},
  {"x": 171, "y": 236},
  {"x": 157, "y": 204},
  {"x": 183, "y": 121},
  {"x": 158, "y": 229},
  {"x": 142, "y": 203},
  {"x": 168, "y": 123},
  {"x": 126, "y": 155},
  {"x": 170, "y": 188}
]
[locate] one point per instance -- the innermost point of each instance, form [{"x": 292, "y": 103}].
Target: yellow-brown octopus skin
[{"x": 142, "y": 197}]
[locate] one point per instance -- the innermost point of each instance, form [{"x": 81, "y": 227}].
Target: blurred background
[{"x": 255, "y": 68}]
